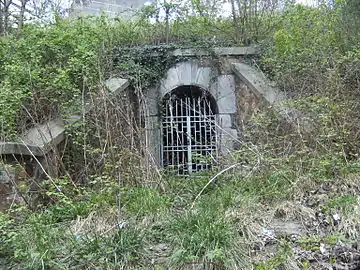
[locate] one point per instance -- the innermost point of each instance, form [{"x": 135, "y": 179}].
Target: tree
[
  {"x": 22, "y": 13},
  {"x": 250, "y": 16},
  {"x": 13, "y": 13},
  {"x": 4, "y": 16}
]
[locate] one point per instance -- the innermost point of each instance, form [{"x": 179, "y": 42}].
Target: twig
[
  {"x": 212, "y": 180},
  {"x": 42, "y": 167}
]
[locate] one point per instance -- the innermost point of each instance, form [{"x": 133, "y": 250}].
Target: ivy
[{"x": 145, "y": 65}]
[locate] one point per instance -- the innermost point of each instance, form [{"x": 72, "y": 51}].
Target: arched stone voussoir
[{"x": 186, "y": 73}]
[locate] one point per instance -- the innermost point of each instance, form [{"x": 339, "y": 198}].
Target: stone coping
[
  {"x": 17, "y": 148},
  {"x": 37, "y": 141},
  {"x": 257, "y": 82},
  {"x": 219, "y": 51},
  {"x": 194, "y": 52}
]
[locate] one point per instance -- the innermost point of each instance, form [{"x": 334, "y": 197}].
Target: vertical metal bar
[
  {"x": 205, "y": 126},
  {"x": 192, "y": 111},
  {"x": 180, "y": 149},
  {"x": 176, "y": 143},
  {"x": 188, "y": 127},
  {"x": 198, "y": 130},
  {"x": 167, "y": 133}
]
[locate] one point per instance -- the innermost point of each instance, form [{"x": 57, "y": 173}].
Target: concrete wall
[{"x": 121, "y": 8}]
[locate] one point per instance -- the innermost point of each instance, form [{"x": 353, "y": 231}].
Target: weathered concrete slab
[
  {"x": 228, "y": 137},
  {"x": 123, "y": 8},
  {"x": 50, "y": 133},
  {"x": 219, "y": 51},
  {"x": 257, "y": 82},
  {"x": 117, "y": 85},
  {"x": 37, "y": 141},
  {"x": 224, "y": 120},
  {"x": 225, "y": 95},
  {"x": 186, "y": 73},
  {"x": 17, "y": 148}
]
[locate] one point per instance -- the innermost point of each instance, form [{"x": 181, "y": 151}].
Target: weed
[
  {"x": 281, "y": 260},
  {"x": 145, "y": 201},
  {"x": 204, "y": 236}
]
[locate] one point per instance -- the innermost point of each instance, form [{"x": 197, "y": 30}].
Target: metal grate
[{"x": 189, "y": 134}]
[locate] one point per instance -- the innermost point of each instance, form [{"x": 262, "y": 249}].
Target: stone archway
[{"x": 219, "y": 88}]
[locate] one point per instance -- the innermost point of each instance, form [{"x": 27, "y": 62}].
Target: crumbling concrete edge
[
  {"x": 219, "y": 51},
  {"x": 262, "y": 87},
  {"x": 257, "y": 82},
  {"x": 38, "y": 141}
]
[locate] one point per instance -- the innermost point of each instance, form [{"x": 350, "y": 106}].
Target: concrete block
[
  {"x": 125, "y": 8},
  {"x": 224, "y": 120},
  {"x": 235, "y": 51},
  {"x": 225, "y": 95},
  {"x": 220, "y": 51},
  {"x": 257, "y": 82},
  {"x": 117, "y": 85},
  {"x": 152, "y": 100},
  {"x": 152, "y": 123},
  {"x": 37, "y": 141},
  {"x": 153, "y": 139},
  {"x": 46, "y": 135},
  {"x": 228, "y": 137},
  {"x": 226, "y": 86},
  {"x": 16, "y": 148}
]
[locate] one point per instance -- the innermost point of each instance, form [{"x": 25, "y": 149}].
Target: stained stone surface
[
  {"x": 117, "y": 85},
  {"x": 186, "y": 73},
  {"x": 225, "y": 95},
  {"x": 257, "y": 82},
  {"x": 37, "y": 141}
]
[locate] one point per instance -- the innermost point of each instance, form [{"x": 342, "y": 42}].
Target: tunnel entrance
[{"x": 188, "y": 130}]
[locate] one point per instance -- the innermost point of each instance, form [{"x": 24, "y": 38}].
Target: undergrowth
[{"x": 168, "y": 226}]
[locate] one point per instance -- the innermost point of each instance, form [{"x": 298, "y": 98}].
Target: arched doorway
[{"x": 189, "y": 137}]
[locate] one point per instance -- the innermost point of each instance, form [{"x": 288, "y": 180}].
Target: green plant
[
  {"x": 280, "y": 260},
  {"x": 7, "y": 234},
  {"x": 145, "y": 201},
  {"x": 310, "y": 243},
  {"x": 204, "y": 236}
]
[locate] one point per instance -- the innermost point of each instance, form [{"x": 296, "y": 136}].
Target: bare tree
[
  {"x": 22, "y": 14},
  {"x": 4, "y": 16},
  {"x": 235, "y": 20},
  {"x": 251, "y": 16},
  {"x": 44, "y": 9},
  {"x": 14, "y": 13}
]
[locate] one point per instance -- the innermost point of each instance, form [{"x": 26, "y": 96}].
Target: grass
[
  {"x": 163, "y": 227},
  {"x": 203, "y": 235}
]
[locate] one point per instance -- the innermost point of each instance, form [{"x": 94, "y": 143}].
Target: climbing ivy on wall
[{"x": 145, "y": 65}]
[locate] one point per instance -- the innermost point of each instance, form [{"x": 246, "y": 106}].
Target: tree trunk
[
  {"x": 5, "y": 16},
  {"x": 1, "y": 18},
  {"x": 22, "y": 14},
  {"x": 167, "y": 21},
  {"x": 235, "y": 21}
]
